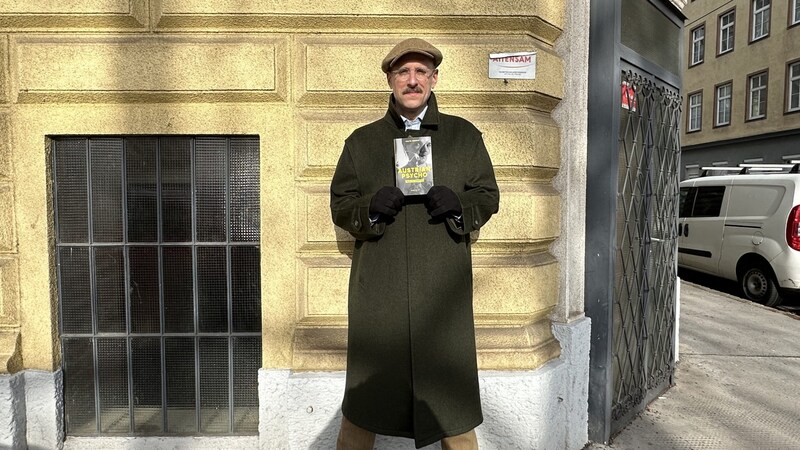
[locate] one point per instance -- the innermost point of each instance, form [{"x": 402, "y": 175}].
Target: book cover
[{"x": 413, "y": 164}]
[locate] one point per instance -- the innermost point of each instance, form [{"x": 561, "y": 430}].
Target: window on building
[
  {"x": 692, "y": 171},
  {"x": 723, "y": 105},
  {"x": 794, "y": 12},
  {"x": 760, "y": 19},
  {"x": 695, "y": 112},
  {"x": 793, "y": 87},
  {"x": 698, "y": 45},
  {"x": 757, "y": 96},
  {"x": 157, "y": 250},
  {"x": 726, "y": 31}
]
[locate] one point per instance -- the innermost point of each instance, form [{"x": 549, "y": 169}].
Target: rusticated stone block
[
  {"x": 514, "y": 290},
  {"x": 131, "y": 69},
  {"x": 84, "y": 14},
  {"x": 326, "y": 291},
  {"x": 527, "y": 213},
  {"x": 5, "y": 147},
  {"x": 321, "y": 136},
  {"x": 549, "y": 10},
  {"x": 522, "y": 144},
  {"x": 3, "y": 69},
  {"x": 346, "y": 70},
  {"x": 9, "y": 292},
  {"x": 8, "y": 236},
  {"x": 543, "y": 19}
]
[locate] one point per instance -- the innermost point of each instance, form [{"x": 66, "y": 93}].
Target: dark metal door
[{"x": 646, "y": 244}]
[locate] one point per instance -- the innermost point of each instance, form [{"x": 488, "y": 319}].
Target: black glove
[
  {"x": 442, "y": 200},
  {"x": 386, "y": 201}
]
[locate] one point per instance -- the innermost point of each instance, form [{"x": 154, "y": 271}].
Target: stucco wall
[
  {"x": 177, "y": 68},
  {"x": 301, "y": 76}
]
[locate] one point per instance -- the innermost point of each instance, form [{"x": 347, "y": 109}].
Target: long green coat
[{"x": 411, "y": 363}]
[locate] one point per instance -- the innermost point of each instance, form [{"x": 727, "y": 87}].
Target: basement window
[{"x": 157, "y": 252}]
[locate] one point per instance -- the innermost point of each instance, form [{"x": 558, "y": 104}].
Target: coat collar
[{"x": 431, "y": 119}]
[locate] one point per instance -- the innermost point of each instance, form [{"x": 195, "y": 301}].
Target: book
[{"x": 413, "y": 162}]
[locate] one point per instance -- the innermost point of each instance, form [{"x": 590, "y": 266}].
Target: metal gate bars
[{"x": 645, "y": 275}]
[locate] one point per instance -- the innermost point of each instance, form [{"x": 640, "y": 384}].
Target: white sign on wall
[{"x": 516, "y": 65}]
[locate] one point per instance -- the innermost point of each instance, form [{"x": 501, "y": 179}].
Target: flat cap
[{"x": 412, "y": 45}]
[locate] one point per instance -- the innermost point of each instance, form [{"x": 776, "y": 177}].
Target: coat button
[
  {"x": 476, "y": 222},
  {"x": 356, "y": 223}
]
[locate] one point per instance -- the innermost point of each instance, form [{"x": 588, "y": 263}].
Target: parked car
[{"x": 744, "y": 227}]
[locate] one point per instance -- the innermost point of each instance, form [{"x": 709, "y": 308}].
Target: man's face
[{"x": 411, "y": 90}]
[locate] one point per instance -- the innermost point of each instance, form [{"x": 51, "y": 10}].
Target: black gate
[
  {"x": 634, "y": 106},
  {"x": 646, "y": 244}
]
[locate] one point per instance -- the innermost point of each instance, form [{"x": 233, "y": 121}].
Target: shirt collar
[
  {"x": 430, "y": 121},
  {"x": 416, "y": 123}
]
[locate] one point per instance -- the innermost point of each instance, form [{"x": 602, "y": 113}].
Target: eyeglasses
[{"x": 422, "y": 73}]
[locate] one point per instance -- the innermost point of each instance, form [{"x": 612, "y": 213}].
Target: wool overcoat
[{"x": 411, "y": 362}]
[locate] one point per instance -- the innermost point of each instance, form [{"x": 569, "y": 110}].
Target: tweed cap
[{"x": 412, "y": 45}]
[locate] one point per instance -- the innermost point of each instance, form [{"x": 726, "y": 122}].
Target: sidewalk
[{"x": 737, "y": 385}]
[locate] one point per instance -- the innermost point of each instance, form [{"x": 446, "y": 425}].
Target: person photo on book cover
[
  {"x": 413, "y": 158},
  {"x": 418, "y": 153},
  {"x": 411, "y": 358}
]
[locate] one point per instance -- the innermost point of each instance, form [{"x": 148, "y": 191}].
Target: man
[{"x": 411, "y": 362}]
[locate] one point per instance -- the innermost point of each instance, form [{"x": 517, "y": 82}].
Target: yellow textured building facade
[
  {"x": 741, "y": 77},
  {"x": 300, "y": 76}
]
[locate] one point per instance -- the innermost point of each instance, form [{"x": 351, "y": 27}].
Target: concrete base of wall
[
  {"x": 12, "y": 411},
  {"x": 44, "y": 405},
  {"x": 162, "y": 443},
  {"x": 32, "y": 410},
  {"x": 544, "y": 408}
]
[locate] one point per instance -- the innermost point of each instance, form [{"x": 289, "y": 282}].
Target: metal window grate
[
  {"x": 647, "y": 207},
  {"x": 157, "y": 245}
]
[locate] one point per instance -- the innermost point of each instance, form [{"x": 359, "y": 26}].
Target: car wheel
[{"x": 759, "y": 286}]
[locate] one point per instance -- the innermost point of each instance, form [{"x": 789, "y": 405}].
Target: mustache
[{"x": 417, "y": 90}]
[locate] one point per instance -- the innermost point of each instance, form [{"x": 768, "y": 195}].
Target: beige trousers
[{"x": 353, "y": 437}]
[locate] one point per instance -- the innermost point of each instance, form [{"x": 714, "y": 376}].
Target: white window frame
[
  {"x": 761, "y": 16},
  {"x": 723, "y": 102},
  {"x": 793, "y": 87},
  {"x": 727, "y": 32},
  {"x": 757, "y": 95},
  {"x": 695, "y": 112},
  {"x": 794, "y": 12},
  {"x": 698, "y": 45}
]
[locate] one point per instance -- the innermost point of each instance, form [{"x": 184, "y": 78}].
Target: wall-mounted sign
[{"x": 517, "y": 65}]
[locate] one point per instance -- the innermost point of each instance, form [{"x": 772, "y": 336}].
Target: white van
[{"x": 744, "y": 227}]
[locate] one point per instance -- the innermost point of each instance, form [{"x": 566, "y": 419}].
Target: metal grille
[
  {"x": 159, "y": 283},
  {"x": 645, "y": 276}
]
